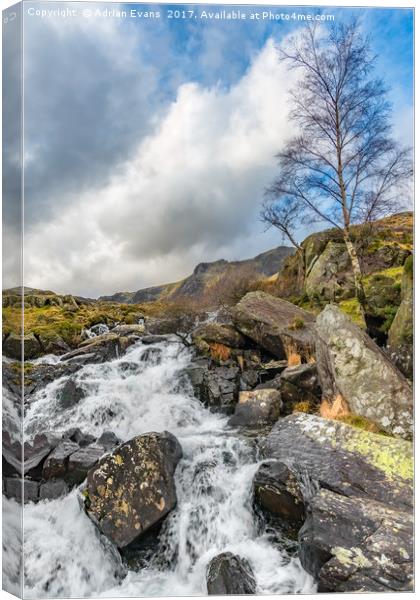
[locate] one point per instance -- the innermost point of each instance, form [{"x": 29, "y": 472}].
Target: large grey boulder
[
  {"x": 228, "y": 573},
  {"x": 133, "y": 489},
  {"x": 350, "y": 364},
  {"x": 276, "y": 325},
  {"x": 356, "y": 490},
  {"x": 217, "y": 333}
]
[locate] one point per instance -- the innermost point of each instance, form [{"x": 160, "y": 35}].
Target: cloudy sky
[{"x": 149, "y": 143}]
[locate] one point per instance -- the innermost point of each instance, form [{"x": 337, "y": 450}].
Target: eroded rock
[{"x": 256, "y": 408}]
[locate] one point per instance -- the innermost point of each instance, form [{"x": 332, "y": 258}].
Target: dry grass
[
  {"x": 219, "y": 352},
  {"x": 293, "y": 359},
  {"x": 336, "y": 409}
]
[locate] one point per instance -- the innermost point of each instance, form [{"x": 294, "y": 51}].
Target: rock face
[
  {"x": 357, "y": 489},
  {"x": 220, "y": 388},
  {"x": 351, "y": 364},
  {"x": 256, "y": 408},
  {"x": 276, "y": 325},
  {"x": 329, "y": 276},
  {"x": 400, "y": 335},
  {"x": 228, "y": 573},
  {"x": 133, "y": 489},
  {"x": 298, "y": 386},
  {"x": 101, "y": 348}
]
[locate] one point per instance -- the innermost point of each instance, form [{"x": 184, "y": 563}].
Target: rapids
[{"x": 143, "y": 391}]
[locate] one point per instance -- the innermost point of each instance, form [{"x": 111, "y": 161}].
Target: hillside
[{"x": 204, "y": 276}]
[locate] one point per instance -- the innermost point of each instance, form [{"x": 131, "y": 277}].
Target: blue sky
[{"x": 149, "y": 143}]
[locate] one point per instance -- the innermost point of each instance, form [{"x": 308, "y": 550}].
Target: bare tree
[
  {"x": 343, "y": 166},
  {"x": 284, "y": 216}
]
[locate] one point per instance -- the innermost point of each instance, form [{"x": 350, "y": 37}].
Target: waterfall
[{"x": 143, "y": 391}]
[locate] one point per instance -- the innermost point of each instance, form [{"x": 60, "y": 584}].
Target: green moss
[
  {"x": 391, "y": 456},
  {"x": 361, "y": 423},
  {"x": 352, "y": 309}
]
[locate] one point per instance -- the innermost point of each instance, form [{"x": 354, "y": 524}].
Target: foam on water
[{"x": 65, "y": 556}]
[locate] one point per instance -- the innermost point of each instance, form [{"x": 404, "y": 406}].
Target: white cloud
[{"x": 191, "y": 192}]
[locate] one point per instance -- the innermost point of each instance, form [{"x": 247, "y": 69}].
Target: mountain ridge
[{"x": 266, "y": 264}]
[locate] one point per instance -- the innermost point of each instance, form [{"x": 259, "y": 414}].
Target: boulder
[
  {"x": 133, "y": 489},
  {"x": 329, "y": 276},
  {"x": 276, "y": 325},
  {"x": 70, "y": 394},
  {"x": 12, "y": 346},
  {"x": 401, "y": 334},
  {"x": 228, "y": 573},
  {"x": 36, "y": 450},
  {"x": 108, "y": 440},
  {"x": 56, "y": 463},
  {"x": 256, "y": 408},
  {"x": 277, "y": 490},
  {"x": 81, "y": 462},
  {"x": 350, "y": 364},
  {"x": 357, "y": 490},
  {"x": 357, "y": 545},
  {"x": 218, "y": 333}
]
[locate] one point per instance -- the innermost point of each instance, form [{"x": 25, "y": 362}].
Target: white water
[{"x": 64, "y": 554}]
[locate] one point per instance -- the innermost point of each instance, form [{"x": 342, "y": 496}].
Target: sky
[{"x": 148, "y": 143}]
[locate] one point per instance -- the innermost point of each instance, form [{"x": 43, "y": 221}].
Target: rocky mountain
[{"x": 204, "y": 275}]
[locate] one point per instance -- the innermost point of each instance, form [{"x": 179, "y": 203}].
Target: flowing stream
[{"x": 143, "y": 391}]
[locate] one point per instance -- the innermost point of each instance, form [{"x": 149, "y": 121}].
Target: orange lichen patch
[
  {"x": 219, "y": 352},
  {"x": 336, "y": 409}
]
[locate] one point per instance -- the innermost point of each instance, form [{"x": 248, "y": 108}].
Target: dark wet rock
[
  {"x": 217, "y": 333},
  {"x": 351, "y": 364},
  {"x": 101, "y": 348},
  {"x": 133, "y": 489},
  {"x": 220, "y": 388},
  {"x": 36, "y": 450},
  {"x": 70, "y": 394},
  {"x": 256, "y": 408},
  {"x": 228, "y": 573},
  {"x": 76, "y": 435},
  {"x": 108, "y": 440},
  {"x": 55, "y": 488},
  {"x": 300, "y": 384},
  {"x": 357, "y": 488},
  {"x": 249, "y": 379},
  {"x": 169, "y": 325},
  {"x": 195, "y": 374},
  {"x": 37, "y": 376},
  {"x": 276, "y": 325},
  {"x": 357, "y": 545},
  {"x": 154, "y": 339},
  {"x": 152, "y": 355},
  {"x": 13, "y": 489},
  {"x": 12, "y": 346},
  {"x": 56, "y": 463},
  {"x": 82, "y": 461},
  {"x": 277, "y": 490}
]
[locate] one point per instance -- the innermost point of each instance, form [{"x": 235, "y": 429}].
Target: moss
[
  {"x": 305, "y": 407},
  {"x": 361, "y": 423},
  {"x": 391, "y": 456},
  {"x": 352, "y": 309},
  {"x": 297, "y": 323}
]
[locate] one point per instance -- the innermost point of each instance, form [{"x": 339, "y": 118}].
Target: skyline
[{"x": 153, "y": 148}]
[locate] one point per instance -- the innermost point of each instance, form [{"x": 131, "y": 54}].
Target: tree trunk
[{"x": 357, "y": 274}]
